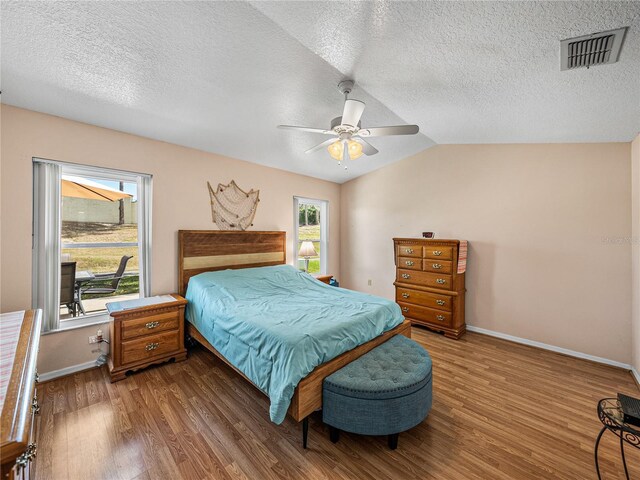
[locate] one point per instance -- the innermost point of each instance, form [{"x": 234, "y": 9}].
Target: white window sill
[{"x": 85, "y": 321}]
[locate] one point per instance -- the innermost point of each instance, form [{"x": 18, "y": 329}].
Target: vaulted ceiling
[{"x": 219, "y": 76}]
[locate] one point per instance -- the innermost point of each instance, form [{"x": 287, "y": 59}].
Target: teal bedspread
[{"x": 276, "y": 324}]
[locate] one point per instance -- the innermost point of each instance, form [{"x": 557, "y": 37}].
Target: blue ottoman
[{"x": 384, "y": 392}]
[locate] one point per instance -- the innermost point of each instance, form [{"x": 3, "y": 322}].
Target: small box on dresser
[
  {"x": 429, "y": 289},
  {"x": 145, "y": 335}
]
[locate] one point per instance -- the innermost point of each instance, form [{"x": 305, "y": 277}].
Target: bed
[{"x": 218, "y": 251}]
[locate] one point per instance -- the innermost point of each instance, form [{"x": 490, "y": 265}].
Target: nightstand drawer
[
  {"x": 150, "y": 325},
  {"x": 150, "y": 346}
]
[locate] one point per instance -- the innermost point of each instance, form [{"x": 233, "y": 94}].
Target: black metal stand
[
  {"x": 612, "y": 419},
  {"x": 305, "y": 431}
]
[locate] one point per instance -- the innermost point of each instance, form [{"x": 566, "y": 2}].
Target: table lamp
[{"x": 307, "y": 251}]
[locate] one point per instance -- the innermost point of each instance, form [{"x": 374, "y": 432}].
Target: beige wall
[
  {"x": 180, "y": 201},
  {"x": 546, "y": 226},
  {"x": 635, "y": 246}
]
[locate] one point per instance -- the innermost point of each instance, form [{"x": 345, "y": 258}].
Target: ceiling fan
[{"x": 350, "y": 142}]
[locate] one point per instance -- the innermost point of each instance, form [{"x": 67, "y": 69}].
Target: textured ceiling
[{"x": 219, "y": 76}]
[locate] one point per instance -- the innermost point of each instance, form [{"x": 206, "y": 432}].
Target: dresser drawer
[
  {"x": 437, "y": 252},
  {"x": 425, "y": 299},
  {"x": 436, "y": 317},
  {"x": 150, "y": 346},
  {"x": 411, "y": 263},
  {"x": 427, "y": 279},
  {"x": 409, "y": 251},
  {"x": 150, "y": 325},
  {"x": 436, "y": 266}
]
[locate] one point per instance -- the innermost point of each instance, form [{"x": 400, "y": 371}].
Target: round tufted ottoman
[{"x": 384, "y": 392}]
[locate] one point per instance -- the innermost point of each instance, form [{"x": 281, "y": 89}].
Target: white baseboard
[
  {"x": 553, "y": 348},
  {"x": 636, "y": 375},
  {"x": 66, "y": 371}
]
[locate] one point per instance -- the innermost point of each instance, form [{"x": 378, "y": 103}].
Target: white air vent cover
[{"x": 595, "y": 49}]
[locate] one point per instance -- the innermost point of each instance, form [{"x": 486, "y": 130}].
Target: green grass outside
[{"x": 103, "y": 260}]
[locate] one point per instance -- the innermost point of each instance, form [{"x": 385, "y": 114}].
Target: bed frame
[{"x": 208, "y": 250}]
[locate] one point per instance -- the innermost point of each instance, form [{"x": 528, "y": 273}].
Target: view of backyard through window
[
  {"x": 99, "y": 244},
  {"x": 309, "y": 230}
]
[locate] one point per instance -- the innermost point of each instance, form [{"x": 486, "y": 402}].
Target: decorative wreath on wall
[{"x": 232, "y": 208}]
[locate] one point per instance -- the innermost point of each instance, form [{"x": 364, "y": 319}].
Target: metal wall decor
[{"x": 231, "y": 207}]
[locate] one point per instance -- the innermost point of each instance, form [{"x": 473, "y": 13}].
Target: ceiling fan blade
[
  {"x": 367, "y": 148},
  {"x": 306, "y": 129},
  {"x": 383, "y": 131},
  {"x": 326, "y": 143},
  {"x": 352, "y": 112}
]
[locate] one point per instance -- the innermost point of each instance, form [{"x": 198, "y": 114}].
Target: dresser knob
[
  {"x": 406, "y": 275},
  {"x": 440, "y": 317},
  {"x": 405, "y": 295},
  {"x": 405, "y": 309},
  {"x": 151, "y": 346},
  {"x": 437, "y": 253},
  {"x": 151, "y": 325},
  {"x": 23, "y": 460},
  {"x": 440, "y": 302},
  {"x": 437, "y": 266},
  {"x": 441, "y": 281},
  {"x": 409, "y": 250},
  {"x": 409, "y": 262}
]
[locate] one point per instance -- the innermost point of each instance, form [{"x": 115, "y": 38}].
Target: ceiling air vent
[{"x": 595, "y": 49}]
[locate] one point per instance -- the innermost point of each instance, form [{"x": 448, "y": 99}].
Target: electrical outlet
[
  {"x": 369, "y": 282},
  {"x": 93, "y": 339}
]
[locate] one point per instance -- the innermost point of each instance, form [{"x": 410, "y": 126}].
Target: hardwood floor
[{"x": 501, "y": 410}]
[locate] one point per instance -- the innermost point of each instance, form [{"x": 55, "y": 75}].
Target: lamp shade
[{"x": 307, "y": 250}]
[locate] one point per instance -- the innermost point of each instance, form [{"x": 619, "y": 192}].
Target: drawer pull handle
[
  {"x": 405, "y": 309},
  {"x": 441, "y": 281},
  {"x": 35, "y": 406},
  {"x": 37, "y": 377},
  {"x": 440, "y": 317},
  {"x": 405, "y": 295},
  {"x": 409, "y": 250},
  {"x": 406, "y": 275},
  {"x": 437, "y": 253},
  {"x": 409, "y": 262},
  {"x": 151, "y": 346},
  {"x": 151, "y": 325},
  {"x": 437, "y": 266},
  {"x": 440, "y": 302},
  {"x": 29, "y": 454}
]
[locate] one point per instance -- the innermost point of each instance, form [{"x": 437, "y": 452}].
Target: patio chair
[
  {"x": 104, "y": 284},
  {"x": 67, "y": 286}
]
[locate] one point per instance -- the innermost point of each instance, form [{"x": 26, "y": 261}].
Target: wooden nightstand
[
  {"x": 324, "y": 278},
  {"x": 147, "y": 334}
]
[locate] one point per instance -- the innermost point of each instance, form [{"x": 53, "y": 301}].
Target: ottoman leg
[
  {"x": 305, "y": 431},
  {"x": 393, "y": 441},
  {"x": 334, "y": 434}
]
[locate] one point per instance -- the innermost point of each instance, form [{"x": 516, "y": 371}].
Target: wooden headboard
[{"x": 208, "y": 250}]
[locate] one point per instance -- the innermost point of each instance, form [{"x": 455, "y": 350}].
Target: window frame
[
  {"x": 144, "y": 186},
  {"x": 323, "y": 206}
]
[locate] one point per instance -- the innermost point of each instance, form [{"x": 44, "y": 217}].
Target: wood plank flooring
[{"x": 501, "y": 411}]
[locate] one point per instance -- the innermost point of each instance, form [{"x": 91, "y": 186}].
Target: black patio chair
[
  {"x": 68, "y": 287},
  {"x": 104, "y": 284}
]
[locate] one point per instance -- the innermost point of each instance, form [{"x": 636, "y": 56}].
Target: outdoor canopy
[{"x": 79, "y": 187}]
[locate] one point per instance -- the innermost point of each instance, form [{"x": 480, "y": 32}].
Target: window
[
  {"x": 311, "y": 225},
  {"x": 91, "y": 241}
]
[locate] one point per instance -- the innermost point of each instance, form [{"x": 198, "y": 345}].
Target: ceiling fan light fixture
[
  {"x": 355, "y": 149},
  {"x": 335, "y": 150}
]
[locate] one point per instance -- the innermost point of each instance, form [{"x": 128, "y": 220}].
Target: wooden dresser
[
  {"x": 429, "y": 289},
  {"x": 19, "y": 340},
  {"x": 146, "y": 334}
]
